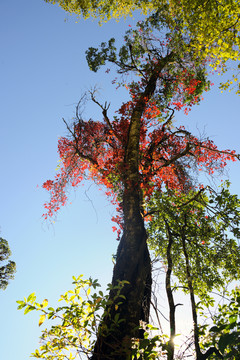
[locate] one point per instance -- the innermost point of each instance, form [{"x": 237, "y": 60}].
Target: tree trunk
[
  {"x": 172, "y": 307},
  {"x": 133, "y": 265},
  {"x": 211, "y": 350},
  {"x": 192, "y": 297}
]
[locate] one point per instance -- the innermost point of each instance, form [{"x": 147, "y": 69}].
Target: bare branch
[
  {"x": 104, "y": 112},
  {"x": 75, "y": 146},
  {"x": 169, "y": 120}
]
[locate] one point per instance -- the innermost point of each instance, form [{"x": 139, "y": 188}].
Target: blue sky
[{"x": 43, "y": 74}]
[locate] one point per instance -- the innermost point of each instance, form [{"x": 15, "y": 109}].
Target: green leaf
[
  {"x": 41, "y": 319},
  {"x": 31, "y": 297},
  {"x": 233, "y": 318},
  {"x": 50, "y": 309},
  {"x": 45, "y": 303},
  {"x": 26, "y": 310},
  {"x": 22, "y": 305}
]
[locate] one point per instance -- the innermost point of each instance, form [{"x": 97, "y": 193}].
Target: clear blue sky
[{"x": 43, "y": 74}]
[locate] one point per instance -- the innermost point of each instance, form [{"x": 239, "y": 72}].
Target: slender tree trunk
[
  {"x": 211, "y": 350},
  {"x": 170, "y": 295},
  {"x": 193, "y": 303}
]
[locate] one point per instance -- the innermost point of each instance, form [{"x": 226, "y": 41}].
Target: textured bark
[{"x": 134, "y": 267}]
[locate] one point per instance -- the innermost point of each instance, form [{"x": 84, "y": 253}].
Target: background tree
[
  {"x": 7, "y": 269},
  {"x": 192, "y": 235},
  {"x": 133, "y": 154}
]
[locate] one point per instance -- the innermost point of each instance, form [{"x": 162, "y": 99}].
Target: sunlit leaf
[{"x": 41, "y": 319}]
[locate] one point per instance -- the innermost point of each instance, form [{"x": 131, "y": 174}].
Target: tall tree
[
  {"x": 137, "y": 152},
  {"x": 7, "y": 268}
]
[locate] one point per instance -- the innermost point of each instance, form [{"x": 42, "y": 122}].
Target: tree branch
[
  {"x": 75, "y": 146},
  {"x": 178, "y": 156},
  {"x": 219, "y": 151},
  {"x": 104, "y": 112}
]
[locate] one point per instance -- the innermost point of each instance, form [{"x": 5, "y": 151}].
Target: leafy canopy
[
  {"x": 213, "y": 26},
  {"x": 7, "y": 269},
  {"x": 103, "y": 9},
  {"x": 208, "y": 222}
]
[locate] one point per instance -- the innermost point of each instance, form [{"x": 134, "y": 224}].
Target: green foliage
[
  {"x": 151, "y": 346},
  {"x": 8, "y": 269},
  {"x": 205, "y": 224},
  {"x": 74, "y": 324},
  {"x": 150, "y": 40},
  {"x": 225, "y": 334},
  {"x": 146, "y": 48},
  {"x": 73, "y": 327},
  {"x": 143, "y": 42},
  {"x": 102, "y": 9},
  {"x": 108, "y": 51},
  {"x": 213, "y": 26},
  {"x": 207, "y": 220}
]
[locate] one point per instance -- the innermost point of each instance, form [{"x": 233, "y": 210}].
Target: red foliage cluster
[{"x": 96, "y": 151}]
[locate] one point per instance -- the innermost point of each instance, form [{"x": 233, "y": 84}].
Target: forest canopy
[{"x": 213, "y": 26}]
